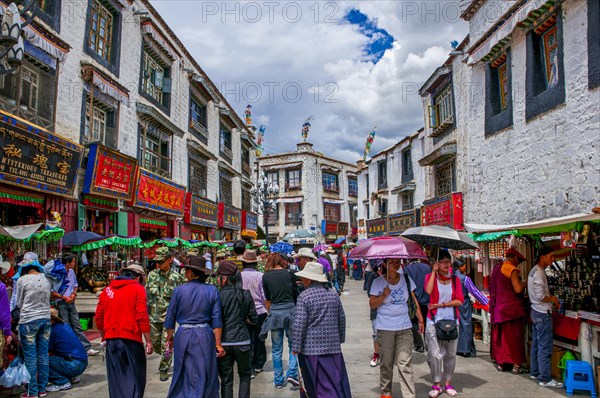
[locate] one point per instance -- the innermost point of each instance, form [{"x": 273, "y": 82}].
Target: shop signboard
[
  {"x": 229, "y": 217},
  {"x": 342, "y": 229},
  {"x": 109, "y": 173},
  {"x": 444, "y": 210},
  {"x": 400, "y": 222},
  {"x": 377, "y": 227},
  {"x": 200, "y": 211},
  {"x": 33, "y": 158},
  {"x": 329, "y": 227},
  {"x": 159, "y": 194},
  {"x": 249, "y": 220}
]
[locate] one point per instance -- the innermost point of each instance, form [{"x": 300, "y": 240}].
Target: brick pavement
[{"x": 475, "y": 377}]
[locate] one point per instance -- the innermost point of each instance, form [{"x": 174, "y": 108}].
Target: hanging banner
[
  {"x": 342, "y": 228},
  {"x": 200, "y": 211},
  {"x": 249, "y": 221},
  {"x": 400, "y": 222},
  {"x": 159, "y": 194},
  {"x": 34, "y": 158},
  {"x": 109, "y": 173},
  {"x": 444, "y": 210},
  {"x": 377, "y": 227},
  {"x": 229, "y": 217}
]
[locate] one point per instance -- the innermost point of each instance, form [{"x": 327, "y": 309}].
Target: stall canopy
[
  {"x": 27, "y": 232},
  {"x": 108, "y": 241},
  {"x": 489, "y": 232}
]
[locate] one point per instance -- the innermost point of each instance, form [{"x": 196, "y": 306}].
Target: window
[
  {"x": 154, "y": 79},
  {"x": 198, "y": 174},
  {"x": 498, "y": 101},
  {"x": 407, "y": 168},
  {"x": 155, "y": 150},
  {"x": 382, "y": 175},
  {"x": 441, "y": 112},
  {"x": 225, "y": 188},
  {"x": 273, "y": 217},
  {"x": 293, "y": 214},
  {"x": 246, "y": 200},
  {"x": 99, "y": 123},
  {"x": 444, "y": 179},
  {"x": 382, "y": 206},
  {"x": 545, "y": 78},
  {"x": 225, "y": 143},
  {"x": 352, "y": 187},
  {"x": 353, "y": 213},
  {"x": 246, "y": 161},
  {"x": 293, "y": 179},
  {"x": 49, "y": 12},
  {"x": 367, "y": 184},
  {"x": 103, "y": 34},
  {"x": 331, "y": 212},
  {"x": 407, "y": 201},
  {"x": 273, "y": 178},
  {"x": 30, "y": 92},
  {"x": 330, "y": 182},
  {"x": 198, "y": 120},
  {"x": 101, "y": 30}
]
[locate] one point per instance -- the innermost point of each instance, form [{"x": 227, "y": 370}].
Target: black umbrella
[
  {"x": 77, "y": 238},
  {"x": 435, "y": 235}
]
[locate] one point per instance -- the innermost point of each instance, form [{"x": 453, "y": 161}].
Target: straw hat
[
  {"x": 313, "y": 271},
  {"x": 329, "y": 249}
]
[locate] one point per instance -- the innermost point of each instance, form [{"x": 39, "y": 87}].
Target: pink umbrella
[{"x": 387, "y": 247}]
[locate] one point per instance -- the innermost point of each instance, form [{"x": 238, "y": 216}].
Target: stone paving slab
[{"x": 475, "y": 377}]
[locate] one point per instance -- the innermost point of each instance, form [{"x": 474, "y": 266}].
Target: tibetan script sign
[
  {"x": 109, "y": 173},
  {"x": 33, "y": 158},
  {"x": 400, "y": 222},
  {"x": 199, "y": 211},
  {"x": 249, "y": 220},
  {"x": 230, "y": 217},
  {"x": 159, "y": 194},
  {"x": 444, "y": 210},
  {"x": 377, "y": 227}
]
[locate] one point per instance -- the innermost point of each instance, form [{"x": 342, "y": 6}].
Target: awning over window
[
  {"x": 291, "y": 200},
  {"x": 446, "y": 151},
  {"x": 53, "y": 46},
  {"x": 282, "y": 166},
  {"x": 334, "y": 201},
  {"x": 21, "y": 200},
  {"x": 149, "y": 112},
  {"x": 153, "y": 224},
  {"x": 158, "y": 39},
  {"x": 105, "y": 84},
  {"x": 501, "y": 35}
]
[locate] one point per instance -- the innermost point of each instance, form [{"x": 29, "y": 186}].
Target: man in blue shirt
[{"x": 68, "y": 358}]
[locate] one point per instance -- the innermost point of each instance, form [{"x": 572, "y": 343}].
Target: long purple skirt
[
  {"x": 324, "y": 376},
  {"x": 195, "y": 364}
]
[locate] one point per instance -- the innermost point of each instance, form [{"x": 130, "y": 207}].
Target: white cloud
[{"x": 340, "y": 85}]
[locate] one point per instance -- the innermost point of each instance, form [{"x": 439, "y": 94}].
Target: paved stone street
[{"x": 474, "y": 377}]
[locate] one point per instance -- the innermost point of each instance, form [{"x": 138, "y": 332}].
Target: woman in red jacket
[{"x": 122, "y": 319}]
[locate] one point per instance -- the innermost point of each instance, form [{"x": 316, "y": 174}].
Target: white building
[
  {"x": 391, "y": 188},
  {"x": 315, "y": 191},
  {"x": 112, "y": 75},
  {"x": 532, "y": 141}
]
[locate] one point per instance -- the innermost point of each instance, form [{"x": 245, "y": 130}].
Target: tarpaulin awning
[
  {"x": 21, "y": 200},
  {"x": 488, "y": 232},
  {"x": 150, "y": 223},
  {"x": 334, "y": 201},
  {"x": 20, "y": 232},
  {"x": 290, "y": 200},
  {"x": 108, "y": 241},
  {"x": 249, "y": 233}
]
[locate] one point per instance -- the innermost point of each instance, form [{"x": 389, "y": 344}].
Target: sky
[{"x": 351, "y": 65}]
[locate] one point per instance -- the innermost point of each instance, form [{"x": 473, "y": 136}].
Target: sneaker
[
  {"x": 258, "y": 370},
  {"x": 253, "y": 376},
  {"x": 374, "y": 359},
  {"x": 164, "y": 376},
  {"x": 278, "y": 386},
  {"x": 42, "y": 394},
  {"x": 91, "y": 352},
  {"x": 551, "y": 384},
  {"x": 293, "y": 381},
  {"x": 533, "y": 377},
  {"x": 75, "y": 380},
  {"x": 25, "y": 395},
  {"x": 54, "y": 387}
]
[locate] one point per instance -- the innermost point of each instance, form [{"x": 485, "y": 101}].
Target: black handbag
[{"x": 447, "y": 329}]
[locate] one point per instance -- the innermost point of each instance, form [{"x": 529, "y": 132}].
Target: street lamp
[
  {"x": 11, "y": 33},
  {"x": 265, "y": 198}
]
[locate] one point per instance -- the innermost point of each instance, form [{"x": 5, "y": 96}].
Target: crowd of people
[{"x": 207, "y": 318}]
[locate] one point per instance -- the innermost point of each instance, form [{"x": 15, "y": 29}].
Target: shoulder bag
[{"x": 447, "y": 329}]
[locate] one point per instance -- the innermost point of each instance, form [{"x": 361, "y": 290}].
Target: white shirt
[
  {"x": 392, "y": 314},
  {"x": 445, "y": 296},
  {"x": 537, "y": 287},
  {"x": 334, "y": 258}
]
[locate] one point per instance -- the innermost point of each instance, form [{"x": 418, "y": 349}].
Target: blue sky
[{"x": 349, "y": 64}]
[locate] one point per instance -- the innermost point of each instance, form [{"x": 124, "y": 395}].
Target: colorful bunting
[
  {"x": 259, "y": 140},
  {"x": 306, "y": 127},
  {"x": 248, "y": 115},
  {"x": 370, "y": 139}
]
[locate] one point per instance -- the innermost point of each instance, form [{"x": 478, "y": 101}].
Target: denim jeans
[
  {"x": 335, "y": 283},
  {"x": 62, "y": 371},
  {"x": 541, "y": 346},
  {"x": 35, "y": 336},
  {"x": 277, "y": 343}
]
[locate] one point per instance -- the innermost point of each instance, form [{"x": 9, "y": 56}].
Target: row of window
[
  {"x": 293, "y": 214},
  {"x": 330, "y": 181},
  {"x": 406, "y": 202}
]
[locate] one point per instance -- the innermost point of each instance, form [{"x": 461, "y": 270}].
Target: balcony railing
[
  {"x": 293, "y": 186},
  {"x": 246, "y": 170},
  {"x": 199, "y": 131},
  {"x": 407, "y": 177},
  {"x": 382, "y": 184},
  {"x": 353, "y": 192},
  {"x": 226, "y": 153},
  {"x": 331, "y": 187}
]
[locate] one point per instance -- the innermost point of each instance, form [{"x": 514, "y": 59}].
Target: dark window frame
[
  {"x": 382, "y": 181},
  {"x": 165, "y": 104},
  {"x": 295, "y": 210},
  {"x": 407, "y": 167},
  {"x": 142, "y": 137},
  {"x": 50, "y": 13},
  {"x": 352, "y": 192},
  {"x": 333, "y": 185},
  {"x": 225, "y": 197},
  {"x": 225, "y": 144},
  {"x": 111, "y": 139},
  {"x": 541, "y": 98},
  {"x": 328, "y": 209},
  {"x": 496, "y": 117},
  {"x": 448, "y": 164},
  {"x": 198, "y": 128},
  {"x": 273, "y": 218},
  {"x": 112, "y": 65},
  {"x": 203, "y": 185}
]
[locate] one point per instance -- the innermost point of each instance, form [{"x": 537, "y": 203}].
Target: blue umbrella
[
  {"x": 77, "y": 238},
  {"x": 282, "y": 248}
]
